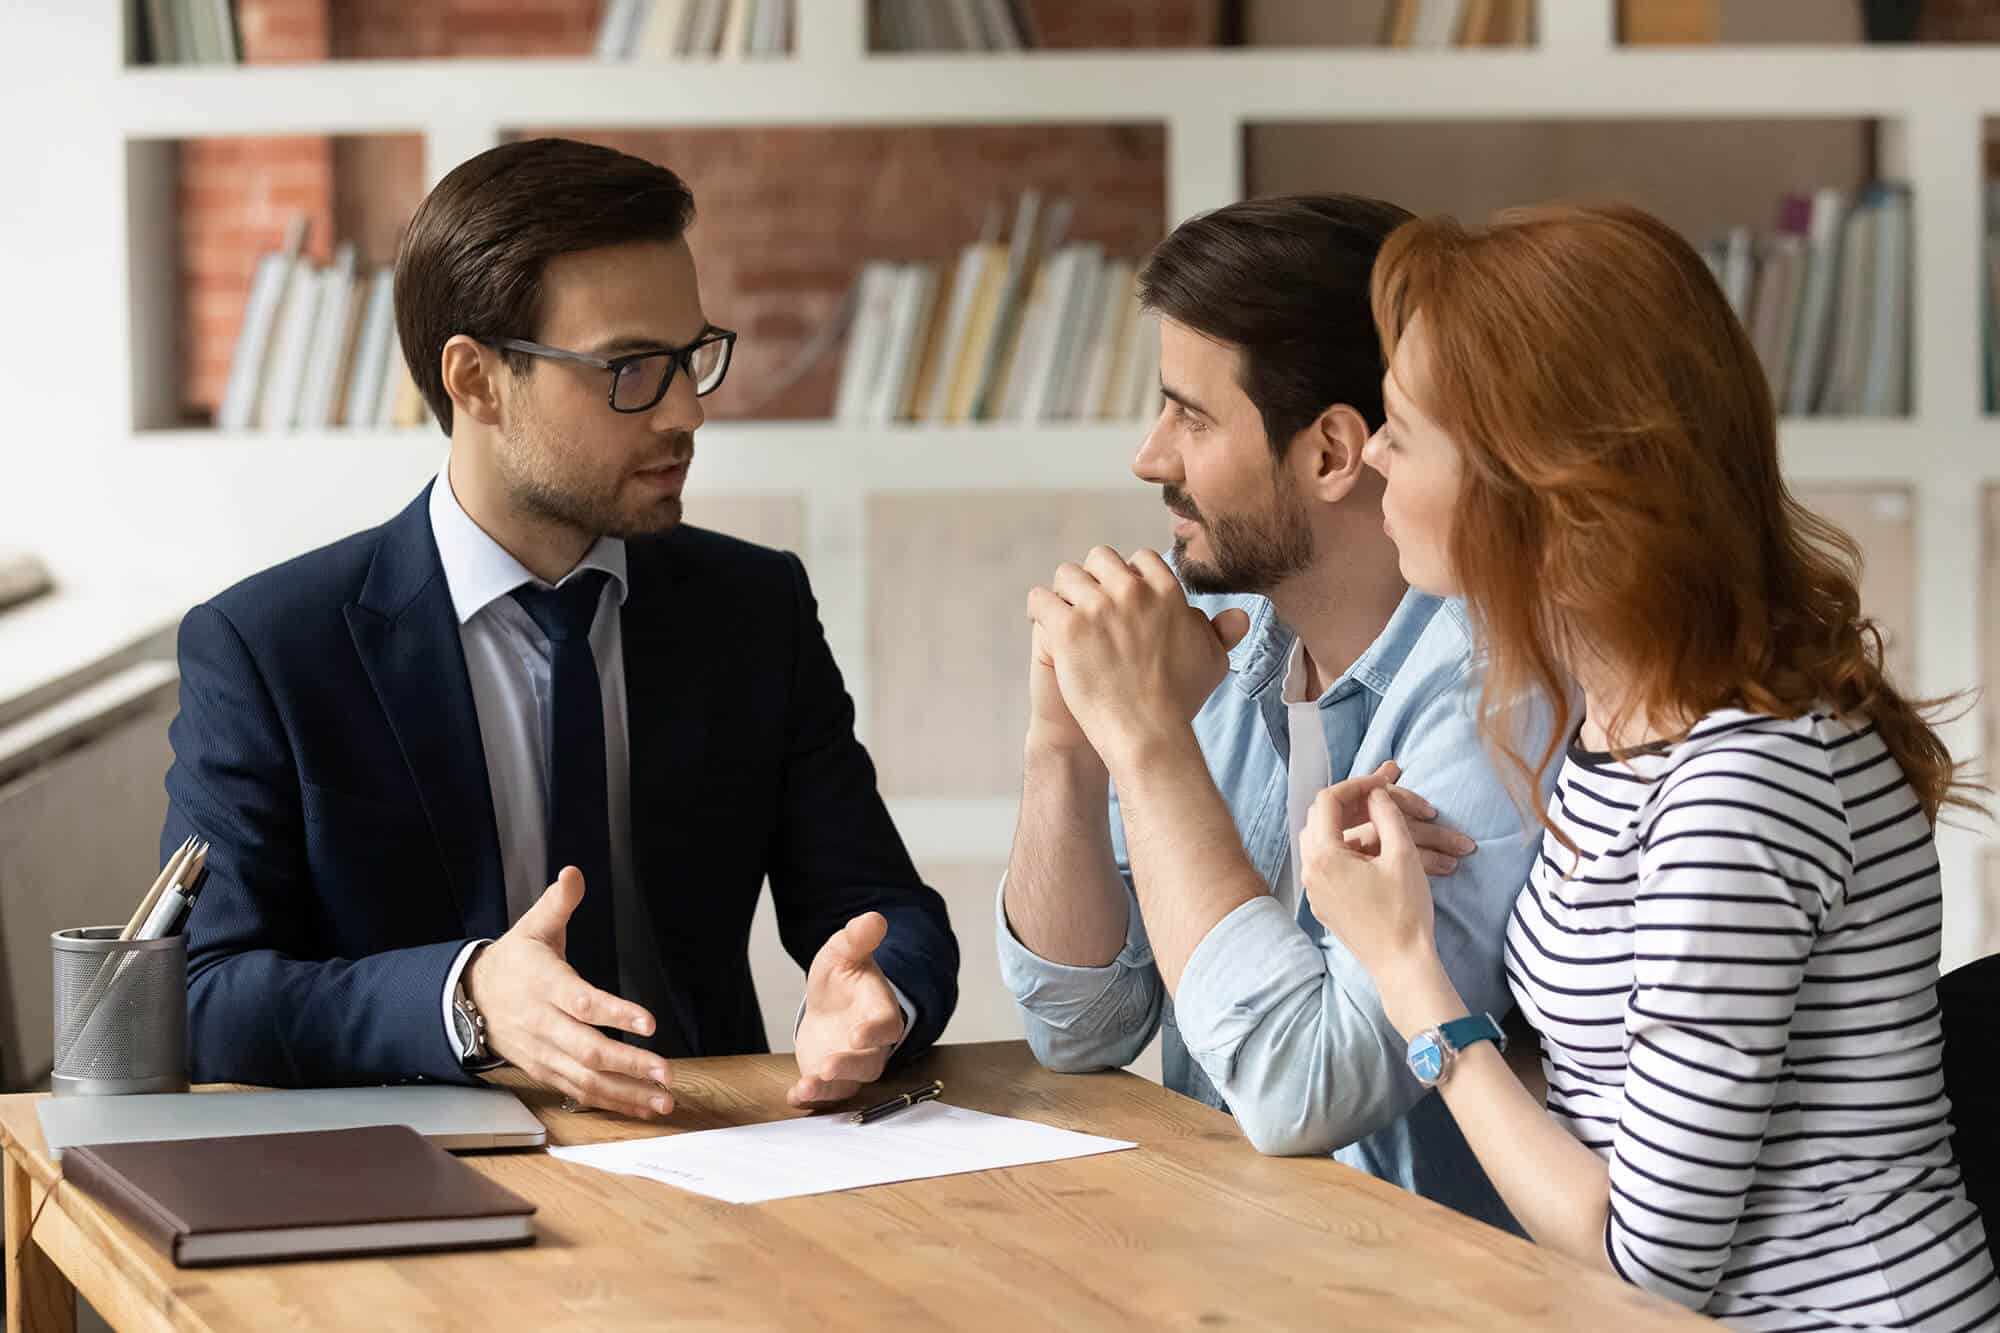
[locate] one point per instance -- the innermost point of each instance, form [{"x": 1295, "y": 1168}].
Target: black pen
[{"x": 929, "y": 1092}]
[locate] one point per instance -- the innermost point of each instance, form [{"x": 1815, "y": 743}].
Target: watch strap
[{"x": 1460, "y": 1033}]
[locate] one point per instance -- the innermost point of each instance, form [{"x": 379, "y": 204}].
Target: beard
[
  {"x": 554, "y": 482},
  {"x": 1249, "y": 553}
]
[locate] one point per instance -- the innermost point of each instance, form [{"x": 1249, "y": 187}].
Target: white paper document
[{"x": 820, "y": 1154}]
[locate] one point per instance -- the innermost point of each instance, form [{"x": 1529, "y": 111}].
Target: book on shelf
[
  {"x": 771, "y": 29},
  {"x": 268, "y": 288},
  {"x": 970, "y": 354},
  {"x": 1990, "y": 281},
  {"x": 329, "y": 340},
  {"x": 372, "y": 352},
  {"x": 952, "y": 25},
  {"x": 182, "y": 32},
  {"x": 1885, "y": 377},
  {"x": 1848, "y": 349},
  {"x": 1037, "y": 329},
  {"x": 332, "y": 400},
  {"x": 874, "y": 293},
  {"x": 939, "y": 357},
  {"x": 1825, "y": 300},
  {"x": 1114, "y": 326},
  {"x": 705, "y": 27},
  {"x": 1818, "y": 23},
  {"x": 1992, "y": 325},
  {"x": 910, "y": 310},
  {"x": 1891, "y": 20},
  {"x": 1036, "y": 232},
  {"x": 278, "y": 394},
  {"x": 1738, "y": 269},
  {"x": 318, "y": 347},
  {"x": 1813, "y": 336},
  {"x": 618, "y": 30},
  {"x": 1668, "y": 22},
  {"x": 1437, "y": 24},
  {"x": 1775, "y": 304},
  {"x": 656, "y": 30}
]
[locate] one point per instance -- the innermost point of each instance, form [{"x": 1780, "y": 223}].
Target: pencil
[{"x": 167, "y": 876}]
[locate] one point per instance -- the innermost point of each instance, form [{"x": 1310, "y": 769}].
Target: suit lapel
[
  {"x": 664, "y": 665},
  {"x": 406, "y": 633},
  {"x": 667, "y": 718}
]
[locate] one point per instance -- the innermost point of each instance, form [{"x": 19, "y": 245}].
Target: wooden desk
[{"x": 1193, "y": 1229}]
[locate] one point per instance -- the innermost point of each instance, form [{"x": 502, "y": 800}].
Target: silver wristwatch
[{"x": 468, "y": 1025}]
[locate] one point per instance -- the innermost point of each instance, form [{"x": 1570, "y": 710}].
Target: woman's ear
[
  {"x": 1328, "y": 451},
  {"x": 468, "y": 380}
]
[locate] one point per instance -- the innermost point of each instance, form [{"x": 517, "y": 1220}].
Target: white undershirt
[{"x": 1309, "y": 770}]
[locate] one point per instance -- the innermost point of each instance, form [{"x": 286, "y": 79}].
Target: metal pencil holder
[{"x": 121, "y": 1013}]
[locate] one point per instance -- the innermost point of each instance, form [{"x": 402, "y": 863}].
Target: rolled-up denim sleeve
[
  {"x": 1080, "y": 1019},
  {"x": 1292, "y": 1032}
]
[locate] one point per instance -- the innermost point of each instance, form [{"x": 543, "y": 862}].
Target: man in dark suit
[{"x": 535, "y": 674}]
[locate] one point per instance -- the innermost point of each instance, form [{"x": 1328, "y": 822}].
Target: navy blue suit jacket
[{"x": 327, "y": 744}]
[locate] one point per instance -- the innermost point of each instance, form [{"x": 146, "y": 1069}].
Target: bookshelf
[{"x": 287, "y": 492}]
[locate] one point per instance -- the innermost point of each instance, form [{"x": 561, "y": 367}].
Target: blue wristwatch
[{"x": 1433, "y": 1050}]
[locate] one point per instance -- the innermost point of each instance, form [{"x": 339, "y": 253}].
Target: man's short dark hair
[
  {"x": 1286, "y": 280},
  {"x": 472, "y": 259}
]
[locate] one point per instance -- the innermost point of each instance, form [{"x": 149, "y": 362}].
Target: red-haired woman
[{"x": 1730, "y": 945}]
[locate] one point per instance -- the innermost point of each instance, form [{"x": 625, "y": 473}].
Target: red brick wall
[
  {"x": 1959, "y": 21},
  {"x": 378, "y": 183},
  {"x": 787, "y": 216},
  {"x": 399, "y": 29},
  {"x": 275, "y": 31}
]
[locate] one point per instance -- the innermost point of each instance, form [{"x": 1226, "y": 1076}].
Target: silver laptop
[{"x": 457, "y": 1118}]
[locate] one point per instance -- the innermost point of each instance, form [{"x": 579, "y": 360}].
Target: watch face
[{"x": 1426, "y": 1060}]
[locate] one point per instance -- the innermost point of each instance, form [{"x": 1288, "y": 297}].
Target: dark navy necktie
[{"x": 579, "y": 815}]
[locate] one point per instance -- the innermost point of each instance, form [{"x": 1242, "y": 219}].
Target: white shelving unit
[{"x": 285, "y": 493}]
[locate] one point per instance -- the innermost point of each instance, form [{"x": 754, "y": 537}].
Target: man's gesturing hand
[
  {"x": 542, "y": 1018},
  {"x": 852, "y": 1021}
]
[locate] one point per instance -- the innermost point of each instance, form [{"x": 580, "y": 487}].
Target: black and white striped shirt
[{"x": 1735, "y": 987}]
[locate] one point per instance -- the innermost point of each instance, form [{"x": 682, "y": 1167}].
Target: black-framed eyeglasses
[{"x": 640, "y": 379}]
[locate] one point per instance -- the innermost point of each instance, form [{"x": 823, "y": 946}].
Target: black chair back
[{"x": 1970, "y": 1000}]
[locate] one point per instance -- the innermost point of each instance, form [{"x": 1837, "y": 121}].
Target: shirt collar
[
  {"x": 479, "y": 571},
  {"x": 1378, "y": 664},
  {"x": 1277, "y": 646}
]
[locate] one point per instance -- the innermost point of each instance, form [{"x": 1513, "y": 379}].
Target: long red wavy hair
[{"x": 1620, "y": 490}]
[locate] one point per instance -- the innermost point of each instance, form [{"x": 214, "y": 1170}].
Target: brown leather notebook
[{"x": 296, "y": 1196}]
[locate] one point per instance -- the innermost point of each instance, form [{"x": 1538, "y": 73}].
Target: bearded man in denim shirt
[{"x": 1303, "y": 660}]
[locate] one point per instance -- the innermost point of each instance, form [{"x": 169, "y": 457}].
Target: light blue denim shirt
[{"x": 1276, "y": 1022}]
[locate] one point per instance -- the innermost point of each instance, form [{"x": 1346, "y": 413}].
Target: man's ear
[
  {"x": 1327, "y": 453},
  {"x": 469, "y": 379}
]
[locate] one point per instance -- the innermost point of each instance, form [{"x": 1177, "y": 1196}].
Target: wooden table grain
[{"x": 1193, "y": 1229}]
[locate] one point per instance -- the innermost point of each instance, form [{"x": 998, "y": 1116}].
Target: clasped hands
[
  {"x": 1120, "y": 664},
  {"x": 544, "y": 1019}
]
